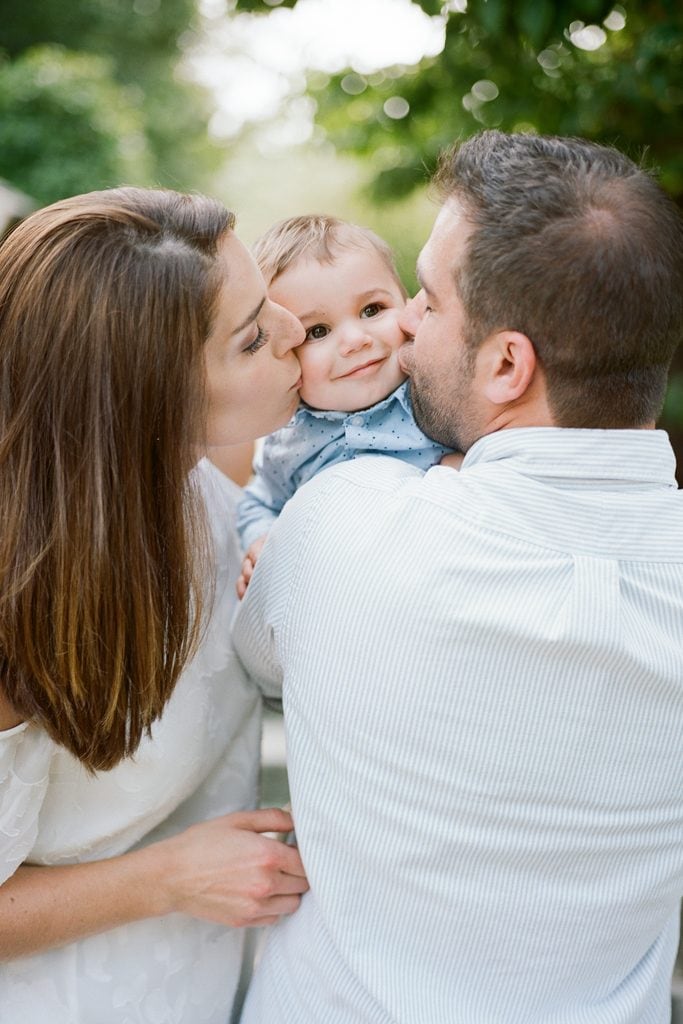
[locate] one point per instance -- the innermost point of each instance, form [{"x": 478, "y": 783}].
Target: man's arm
[{"x": 258, "y": 632}]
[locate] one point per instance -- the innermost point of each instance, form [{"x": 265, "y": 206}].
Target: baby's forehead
[
  {"x": 346, "y": 241},
  {"x": 341, "y": 249}
]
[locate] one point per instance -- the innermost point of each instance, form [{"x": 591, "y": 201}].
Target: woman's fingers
[
  {"x": 267, "y": 819},
  {"x": 276, "y": 906},
  {"x": 230, "y": 869},
  {"x": 268, "y": 894}
]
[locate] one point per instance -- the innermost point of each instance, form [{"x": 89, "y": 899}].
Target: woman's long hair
[{"x": 106, "y": 301}]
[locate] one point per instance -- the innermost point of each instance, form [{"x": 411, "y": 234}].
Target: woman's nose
[{"x": 289, "y": 333}]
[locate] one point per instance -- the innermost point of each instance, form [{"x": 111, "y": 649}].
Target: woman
[{"x": 135, "y": 331}]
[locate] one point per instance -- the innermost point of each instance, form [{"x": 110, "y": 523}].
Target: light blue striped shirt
[
  {"x": 314, "y": 439},
  {"x": 482, "y": 676}
]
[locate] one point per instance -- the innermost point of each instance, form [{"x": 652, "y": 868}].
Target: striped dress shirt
[{"x": 482, "y": 675}]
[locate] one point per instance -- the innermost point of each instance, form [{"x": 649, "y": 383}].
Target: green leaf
[
  {"x": 260, "y": 6},
  {"x": 491, "y": 14},
  {"x": 430, "y": 7},
  {"x": 535, "y": 19}
]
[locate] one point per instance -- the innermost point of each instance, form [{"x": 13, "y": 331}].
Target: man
[{"x": 482, "y": 670}]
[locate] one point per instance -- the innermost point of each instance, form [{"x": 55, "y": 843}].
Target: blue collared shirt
[{"x": 314, "y": 439}]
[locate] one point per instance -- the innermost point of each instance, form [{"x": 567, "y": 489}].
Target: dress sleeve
[{"x": 25, "y": 755}]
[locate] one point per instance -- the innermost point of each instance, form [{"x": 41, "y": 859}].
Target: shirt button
[{"x": 356, "y": 421}]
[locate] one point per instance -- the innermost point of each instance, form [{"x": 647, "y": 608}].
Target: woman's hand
[
  {"x": 222, "y": 870},
  {"x": 226, "y": 870}
]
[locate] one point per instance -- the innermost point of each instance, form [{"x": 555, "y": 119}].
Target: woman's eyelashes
[{"x": 258, "y": 342}]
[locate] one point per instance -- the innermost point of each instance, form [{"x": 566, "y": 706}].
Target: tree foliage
[
  {"x": 515, "y": 64},
  {"x": 89, "y": 97},
  {"x": 64, "y": 122}
]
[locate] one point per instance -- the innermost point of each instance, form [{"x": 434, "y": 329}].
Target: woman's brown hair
[{"x": 106, "y": 301}]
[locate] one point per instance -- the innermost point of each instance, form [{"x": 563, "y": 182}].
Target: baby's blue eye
[
  {"x": 317, "y": 332},
  {"x": 372, "y": 309}
]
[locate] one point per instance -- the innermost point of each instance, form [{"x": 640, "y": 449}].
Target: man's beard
[{"x": 445, "y": 417}]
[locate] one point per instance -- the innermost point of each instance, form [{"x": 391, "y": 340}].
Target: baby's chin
[{"x": 316, "y": 401}]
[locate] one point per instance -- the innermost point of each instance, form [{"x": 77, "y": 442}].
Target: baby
[{"x": 340, "y": 281}]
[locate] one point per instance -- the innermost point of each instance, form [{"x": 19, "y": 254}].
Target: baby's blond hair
[{"x": 319, "y": 237}]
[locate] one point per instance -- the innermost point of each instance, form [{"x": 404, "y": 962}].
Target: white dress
[{"x": 201, "y": 761}]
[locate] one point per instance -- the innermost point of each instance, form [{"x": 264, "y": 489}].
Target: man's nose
[{"x": 411, "y": 314}]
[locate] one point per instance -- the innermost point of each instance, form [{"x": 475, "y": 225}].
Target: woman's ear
[{"x": 508, "y": 364}]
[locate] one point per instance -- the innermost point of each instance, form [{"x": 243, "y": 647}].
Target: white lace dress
[{"x": 201, "y": 761}]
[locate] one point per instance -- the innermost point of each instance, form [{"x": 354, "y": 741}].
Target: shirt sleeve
[
  {"x": 25, "y": 754},
  {"x": 260, "y": 627},
  {"x": 264, "y": 496}
]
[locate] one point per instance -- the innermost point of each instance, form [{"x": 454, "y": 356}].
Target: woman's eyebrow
[{"x": 252, "y": 316}]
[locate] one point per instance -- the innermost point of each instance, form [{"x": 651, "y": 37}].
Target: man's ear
[{"x": 508, "y": 364}]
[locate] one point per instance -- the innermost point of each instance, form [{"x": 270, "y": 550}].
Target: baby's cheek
[
  {"x": 312, "y": 368},
  {"x": 314, "y": 375}
]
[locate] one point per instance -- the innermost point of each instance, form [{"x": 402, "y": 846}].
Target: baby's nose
[{"x": 353, "y": 337}]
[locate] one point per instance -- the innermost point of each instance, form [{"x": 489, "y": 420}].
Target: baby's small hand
[
  {"x": 248, "y": 565},
  {"x": 454, "y": 460}
]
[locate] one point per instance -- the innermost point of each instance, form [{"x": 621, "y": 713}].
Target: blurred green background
[{"x": 95, "y": 93}]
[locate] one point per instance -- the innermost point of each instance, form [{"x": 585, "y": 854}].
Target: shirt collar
[
  {"x": 400, "y": 395},
  {"x": 619, "y": 458}
]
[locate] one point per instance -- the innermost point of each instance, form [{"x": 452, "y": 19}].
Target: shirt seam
[
  {"x": 496, "y": 531},
  {"x": 571, "y": 552}
]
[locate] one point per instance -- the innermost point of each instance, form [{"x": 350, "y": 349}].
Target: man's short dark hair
[{"x": 582, "y": 251}]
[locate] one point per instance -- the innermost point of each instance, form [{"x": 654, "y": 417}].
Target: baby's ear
[{"x": 508, "y": 362}]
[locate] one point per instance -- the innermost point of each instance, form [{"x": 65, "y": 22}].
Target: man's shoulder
[
  {"x": 373, "y": 471},
  {"x": 350, "y": 485}
]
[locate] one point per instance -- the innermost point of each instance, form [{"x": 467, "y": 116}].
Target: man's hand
[{"x": 248, "y": 565}]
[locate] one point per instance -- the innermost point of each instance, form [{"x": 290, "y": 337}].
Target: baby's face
[{"x": 349, "y": 309}]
